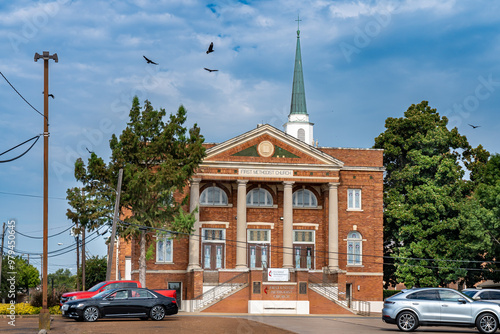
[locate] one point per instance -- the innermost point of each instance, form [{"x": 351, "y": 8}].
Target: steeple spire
[
  {"x": 298, "y": 124},
  {"x": 298, "y": 105}
]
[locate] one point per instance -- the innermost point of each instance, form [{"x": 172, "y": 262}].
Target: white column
[
  {"x": 194, "y": 239},
  {"x": 287, "y": 224},
  {"x": 241, "y": 225},
  {"x": 333, "y": 226}
]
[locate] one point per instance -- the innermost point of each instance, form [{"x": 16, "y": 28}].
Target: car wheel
[
  {"x": 157, "y": 312},
  {"x": 487, "y": 323},
  {"x": 407, "y": 321},
  {"x": 90, "y": 314}
]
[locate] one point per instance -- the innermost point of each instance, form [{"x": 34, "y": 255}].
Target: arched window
[
  {"x": 354, "y": 248},
  {"x": 213, "y": 196},
  {"x": 304, "y": 198},
  {"x": 301, "y": 134},
  {"x": 259, "y": 197}
]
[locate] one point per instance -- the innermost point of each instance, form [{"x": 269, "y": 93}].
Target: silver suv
[
  {"x": 486, "y": 295},
  {"x": 439, "y": 307}
]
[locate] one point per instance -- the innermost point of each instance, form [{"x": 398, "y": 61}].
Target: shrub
[
  {"x": 388, "y": 293},
  {"x": 20, "y": 309},
  {"x": 36, "y": 299}
]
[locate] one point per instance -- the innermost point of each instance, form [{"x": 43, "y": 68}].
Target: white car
[{"x": 416, "y": 307}]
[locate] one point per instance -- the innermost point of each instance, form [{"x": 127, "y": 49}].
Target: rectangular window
[
  {"x": 354, "y": 199},
  {"x": 259, "y": 236},
  {"x": 164, "y": 249},
  {"x": 213, "y": 234},
  {"x": 302, "y": 236},
  {"x": 354, "y": 253}
]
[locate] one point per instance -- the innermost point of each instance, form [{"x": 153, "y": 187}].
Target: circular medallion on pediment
[{"x": 265, "y": 149}]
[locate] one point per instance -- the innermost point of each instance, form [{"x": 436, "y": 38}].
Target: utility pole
[
  {"x": 77, "y": 261},
  {"x": 1, "y": 251},
  {"x": 113, "y": 230},
  {"x": 44, "y": 320},
  {"x": 83, "y": 259}
]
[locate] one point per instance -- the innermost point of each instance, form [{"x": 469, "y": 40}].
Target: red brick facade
[{"x": 318, "y": 170}]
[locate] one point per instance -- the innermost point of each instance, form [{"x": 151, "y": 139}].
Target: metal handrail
[
  {"x": 219, "y": 291},
  {"x": 361, "y": 307}
]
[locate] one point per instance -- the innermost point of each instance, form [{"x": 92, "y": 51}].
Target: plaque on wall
[
  {"x": 303, "y": 288},
  {"x": 256, "y": 287}
]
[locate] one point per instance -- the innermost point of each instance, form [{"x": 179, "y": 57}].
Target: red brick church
[{"x": 283, "y": 226}]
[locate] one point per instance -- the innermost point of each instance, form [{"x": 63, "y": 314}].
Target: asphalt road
[{"x": 192, "y": 323}]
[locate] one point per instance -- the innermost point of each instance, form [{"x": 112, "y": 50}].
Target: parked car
[
  {"x": 486, "y": 295},
  {"x": 412, "y": 308},
  {"x": 99, "y": 287},
  {"x": 121, "y": 303},
  {"x": 108, "y": 285}
]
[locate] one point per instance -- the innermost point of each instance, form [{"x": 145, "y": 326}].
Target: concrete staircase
[
  {"x": 215, "y": 295},
  {"x": 331, "y": 292}
]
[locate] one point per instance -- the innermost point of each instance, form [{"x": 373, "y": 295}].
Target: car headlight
[{"x": 72, "y": 298}]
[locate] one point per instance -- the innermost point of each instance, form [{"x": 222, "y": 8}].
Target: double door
[
  {"x": 303, "y": 256},
  {"x": 213, "y": 256},
  {"x": 258, "y": 256}
]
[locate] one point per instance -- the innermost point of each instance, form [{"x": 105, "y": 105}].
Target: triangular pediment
[{"x": 268, "y": 145}]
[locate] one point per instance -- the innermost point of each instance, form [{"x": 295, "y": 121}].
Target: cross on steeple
[{"x": 298, "y": 22}]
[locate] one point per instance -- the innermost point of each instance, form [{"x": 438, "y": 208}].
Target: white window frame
[
  {"x": 163, "y": 239},
  {"x": 311, "y": 197},
  {"x": 223, "y": 231},
  {"x": 268, "y": 198},
  {"x": 354, "y": 259},
  {"x": 223, "y": 201},
  {"x": 352, "y": 205},
  {"x": 258, "y": 241},
  {"x": 295, "y": 241}
]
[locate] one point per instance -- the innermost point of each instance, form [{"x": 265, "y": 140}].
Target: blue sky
[{"x": 363, "y": 61}]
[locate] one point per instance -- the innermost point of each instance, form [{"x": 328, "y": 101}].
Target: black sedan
[{"x": 121, "y": 303}]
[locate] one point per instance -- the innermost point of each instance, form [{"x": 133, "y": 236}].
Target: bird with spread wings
[
  {"x": 210, "y": 48},
  {"x": 150, "y": 61}
]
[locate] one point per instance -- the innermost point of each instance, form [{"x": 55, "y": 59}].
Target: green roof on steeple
[{"x": 298, "y": 105}]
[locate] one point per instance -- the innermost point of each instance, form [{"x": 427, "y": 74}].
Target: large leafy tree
[
  {"x": 487, "y": 216},
  {"x": 62, "y": 280},
  {"x": 95, "y": 270},
  {"x": 158, "y": 158},
  {"x": 424, "y": 195},
  {"x": 18, "y": 270}
]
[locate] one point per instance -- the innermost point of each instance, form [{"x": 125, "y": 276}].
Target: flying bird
[
  {"x": 209, "y": 70},
  {"x": 210, "y": 48},
  {"x": 475, "y": 126},
  {"x": 150, "y": 61},
  {"x": 51, "y": 95}
]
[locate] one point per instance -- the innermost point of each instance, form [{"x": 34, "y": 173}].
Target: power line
[
  {"x": 21, "y": 95},
  {"x": 9, "y": 160},
  {"x": 50, "y": 236},
  {"x": 327, "y": 253},
  {"x": 27, "y": 195}
]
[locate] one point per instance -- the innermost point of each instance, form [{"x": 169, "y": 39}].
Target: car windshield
[
  {"x": 469, "y": 293},
  {"x": 97, "y": 286},
  {"x": 102, "y": 294}
]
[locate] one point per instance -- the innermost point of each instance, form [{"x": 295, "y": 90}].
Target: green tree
[
  {"x": 92, "y": 203},
  {"x": 487, "y": 215},
  {"x": 62, "y": 280},
  {"x": 25, "y": 275},
  {"x": 95, "y": 271},
  {"x": 158, "y": 158},
  {"x": 424, "y": 195}
]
